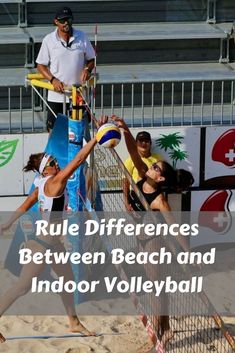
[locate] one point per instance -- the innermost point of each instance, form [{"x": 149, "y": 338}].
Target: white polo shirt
[{"x": 65, "y": 62}]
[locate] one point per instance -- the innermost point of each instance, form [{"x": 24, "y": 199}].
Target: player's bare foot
[
  {"x": 166, "y": 337},
  {"x": 2, "y": 338},
  {"x": 79, "y": 328}
]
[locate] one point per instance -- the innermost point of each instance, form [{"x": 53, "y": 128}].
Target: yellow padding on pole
[
  {"x": 42, "y": 84},
  {"x": 74, "y": 102},
  {"x": 36, "y": 76}
]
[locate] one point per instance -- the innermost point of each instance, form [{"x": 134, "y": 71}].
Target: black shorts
[{"x": 57, "y": 108}]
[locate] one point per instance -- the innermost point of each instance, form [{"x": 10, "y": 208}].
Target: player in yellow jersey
[{"x": 144, "y": 143}]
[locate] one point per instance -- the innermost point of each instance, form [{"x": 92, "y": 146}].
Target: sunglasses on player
[
  {"x": 51, "y": 163},
  {"x": 156, "y": 167}
]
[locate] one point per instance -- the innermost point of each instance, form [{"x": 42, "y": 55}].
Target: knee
[{"x": 21, "y": 289}]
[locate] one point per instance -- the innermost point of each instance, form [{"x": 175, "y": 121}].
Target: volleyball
[{"x": 108, "y": 135}]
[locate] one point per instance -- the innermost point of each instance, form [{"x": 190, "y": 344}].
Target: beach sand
[{"x": 120, "y": 334}]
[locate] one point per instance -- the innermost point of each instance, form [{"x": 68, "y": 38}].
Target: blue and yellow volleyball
[{"x": 108, "y": 135}]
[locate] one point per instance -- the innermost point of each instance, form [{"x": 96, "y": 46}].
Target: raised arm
[
  {"x": 59, "y": 181},
  {"x": 131, "y": 146},
  {"x": 126, "y": 190}
]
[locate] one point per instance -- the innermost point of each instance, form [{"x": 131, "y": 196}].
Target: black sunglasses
[
  {"x": 156, "y": 167},
  {"x": 51, "y": 163},
  {"x": 66, "y": 19}
]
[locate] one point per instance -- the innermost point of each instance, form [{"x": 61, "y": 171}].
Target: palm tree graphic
[{"x": 171, "y": 143}]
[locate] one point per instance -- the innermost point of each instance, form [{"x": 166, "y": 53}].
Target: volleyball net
[{"x": 197, "y": 333}]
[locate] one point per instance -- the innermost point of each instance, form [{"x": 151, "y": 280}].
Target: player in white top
[{"x": 50, "y": 187}]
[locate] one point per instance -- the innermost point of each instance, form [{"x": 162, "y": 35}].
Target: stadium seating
[{"x": 138, "y": 41}]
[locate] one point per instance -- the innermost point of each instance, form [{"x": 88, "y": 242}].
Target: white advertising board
[
  {"x": 179, "y": 146},
  {"x": 11, "y": 164},
  {"x": 10, "y": 203},
  {"x": 219, "y": 152},
  {"x": 33, "y": 143},
  {"x": 214, "y": 218}
]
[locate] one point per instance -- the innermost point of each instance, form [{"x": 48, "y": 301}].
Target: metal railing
[
  {"x": 169, "y": 103},
  {"x": 141, "y": 104},
  {"x": 211, "y": 11}
]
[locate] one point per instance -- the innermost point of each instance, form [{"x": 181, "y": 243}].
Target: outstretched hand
[
  {"x": 103, "y": 120},
  {"x": 119, "y": 122},
  {"x": 2, "y": 229}
]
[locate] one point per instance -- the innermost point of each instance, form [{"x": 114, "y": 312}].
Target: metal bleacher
[{"x": 139, "y": 43}]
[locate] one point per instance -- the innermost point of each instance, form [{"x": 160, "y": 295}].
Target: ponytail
[
  {"x": 176, "y": 180},
  {"x": 34, "y": 162},
  {"x": 184, "y": 179}
]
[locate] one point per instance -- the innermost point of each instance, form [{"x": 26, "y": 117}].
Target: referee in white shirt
[{"x": 66, "y": 57}]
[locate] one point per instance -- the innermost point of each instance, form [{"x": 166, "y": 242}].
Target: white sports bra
[{"x": 47, "y": 203}]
